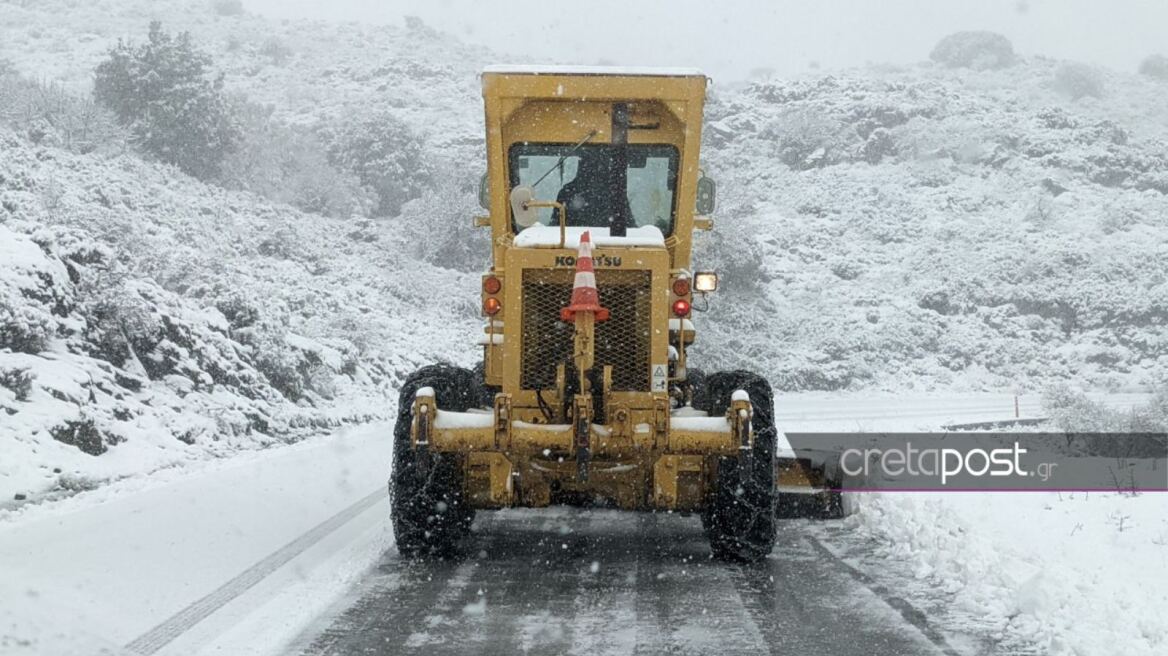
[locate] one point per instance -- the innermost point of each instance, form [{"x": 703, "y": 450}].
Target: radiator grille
[{"x": 623, "y": 341}]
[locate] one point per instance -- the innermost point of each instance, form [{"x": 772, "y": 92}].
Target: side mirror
[
  {"x": 707, "y": 192},
  {"x": 525, "y": 215},
  {"x": 484, "y": 193}
]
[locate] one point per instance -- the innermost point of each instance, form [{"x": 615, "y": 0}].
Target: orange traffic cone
[{"x": 585, "y": 296}]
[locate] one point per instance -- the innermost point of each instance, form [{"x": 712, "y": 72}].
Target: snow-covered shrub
[
  {"x": 1078, "y": 80},
  {"x": 1074, "y": 412},
  {"x": 808, "y": 139},
  {"x": 878, "y": 145},
  {"x": 385, "y": 154},
  {"x": 279, "y": 366},
  {"x": 18, "y": 380},
  {"x": 34, "y": 293},
  {"x": 437, "y": 229},
  {"x": 84, "y": 434},
  {"x": 289, "y": 164},
  {"x": 48, "y": 115},
  {"x": 240, "y": 311},
  {"x": 1155, "y": 66},
  {"x": 227, "y": 7},
  {"x": 276, "y": 51},
  {"x": 978, "y": 50},
  {"x": 120, "y": 323},
  {"x": 738, "y": 259},
  {"x": 163, "y": 90},
  {"x": 24, "y": 327}
]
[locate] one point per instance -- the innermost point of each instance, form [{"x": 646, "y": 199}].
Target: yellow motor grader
[{"x": 595, "y": 404}]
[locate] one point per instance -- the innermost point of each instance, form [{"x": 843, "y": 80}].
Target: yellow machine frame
[{"x": 643, "y": 456}]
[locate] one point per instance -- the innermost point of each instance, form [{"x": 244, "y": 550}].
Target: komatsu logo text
[{"x": 597, "y": 260}]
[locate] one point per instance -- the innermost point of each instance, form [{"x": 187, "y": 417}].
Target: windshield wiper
[{"x": 564, "y": 157}]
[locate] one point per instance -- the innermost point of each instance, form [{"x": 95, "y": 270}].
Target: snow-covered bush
[
  {"x": 1078, "y": 80},
  {"x": 977, "y": 50},
  {"x": 48, "y": 115},
  {"x": 34, "y": 294},
  {"x": 1074, "y": 412},
  {"x": 163, "y": 90},
  {"x": 436, "y": 226},
  {"x": 24, "y": 327},
  {"x": 227, "y": 7},
  {"x": 1155, "y": 66},
  {"x": 18, "y": 380},
  {"x": 276, "y": 51},
  {"x": 807, "y": 139},
  {"x": 385, "y": 154},
  {"x": 279, "y": 367},
  {"x": 289, "y": 164},
  {"x": 120, "y": 324}
]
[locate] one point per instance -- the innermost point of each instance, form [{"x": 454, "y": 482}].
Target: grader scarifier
[{"x": 585, "y": 393}]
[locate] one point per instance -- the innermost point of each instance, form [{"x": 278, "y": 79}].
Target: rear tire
[
  {"x": 429, "y": 511},
  {"x": 696, "y": 379},
  {"x": 739, "y": 518},
  {"x": 486, "y": 392}
]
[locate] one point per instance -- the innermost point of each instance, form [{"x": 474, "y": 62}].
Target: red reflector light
[
  {"x": 681, "y": 286},
  {"x": 491, "y": 307},
  {"x": 491, "y": 285},
  {"x": 681, "y": 307}
]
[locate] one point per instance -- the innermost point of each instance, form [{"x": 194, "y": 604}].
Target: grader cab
[{"x": 585, "y": 393}]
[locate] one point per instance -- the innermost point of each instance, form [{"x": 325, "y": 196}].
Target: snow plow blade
[{"x": 811, "y": 486}]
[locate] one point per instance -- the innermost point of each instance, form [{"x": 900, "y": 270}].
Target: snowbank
[{"x": 1077, "y": 574}]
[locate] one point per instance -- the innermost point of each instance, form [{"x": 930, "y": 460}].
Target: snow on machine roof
[{"x": 521, "y": 69}]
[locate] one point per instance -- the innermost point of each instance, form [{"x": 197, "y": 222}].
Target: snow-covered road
[
  {"x": 571, "y": 581},
  {"x": 122, "y": 560},
  {"x": 289, "y": 549}
]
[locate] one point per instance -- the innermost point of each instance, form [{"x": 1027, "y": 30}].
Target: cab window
[{"x": 579, "y": 177}]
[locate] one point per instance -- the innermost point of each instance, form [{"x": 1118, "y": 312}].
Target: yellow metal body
[{"x": 523, "y": 451}]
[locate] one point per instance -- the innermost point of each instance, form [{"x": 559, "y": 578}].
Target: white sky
[{"x": 729, "y": 39}]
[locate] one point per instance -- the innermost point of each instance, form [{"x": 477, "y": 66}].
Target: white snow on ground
[
  {"x": 1076, "y": 574},
  {"x": 1044, "y": 573},
  {"x": 119, "y": 560}
]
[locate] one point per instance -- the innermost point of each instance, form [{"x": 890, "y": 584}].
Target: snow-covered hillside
[
  {"x": 921, "y": 226},
  {"x": 148, "y": 319},
  {"x": 932, "y": 226}
]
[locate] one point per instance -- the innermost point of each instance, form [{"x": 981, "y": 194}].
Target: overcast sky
[{"x": 730, "y": 39}]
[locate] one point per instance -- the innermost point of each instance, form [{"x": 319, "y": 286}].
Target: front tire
[
  {"x": 429, "y": 510},
  {"x": 739, "y": 518}
]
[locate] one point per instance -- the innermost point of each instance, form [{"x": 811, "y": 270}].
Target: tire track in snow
[
  {"x": 910, "y": 613},
  {"x": 182, "y": 621},
  {"x": 687, "y": 603}
]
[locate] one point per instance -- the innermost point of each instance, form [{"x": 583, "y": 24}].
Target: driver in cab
[{"x": 591, "y": 197}]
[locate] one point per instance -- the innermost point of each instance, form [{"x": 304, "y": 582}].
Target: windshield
[{"x": 580, "y": 182}]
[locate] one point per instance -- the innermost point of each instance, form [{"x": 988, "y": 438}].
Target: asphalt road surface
[{"x": 568, "y": 580}]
